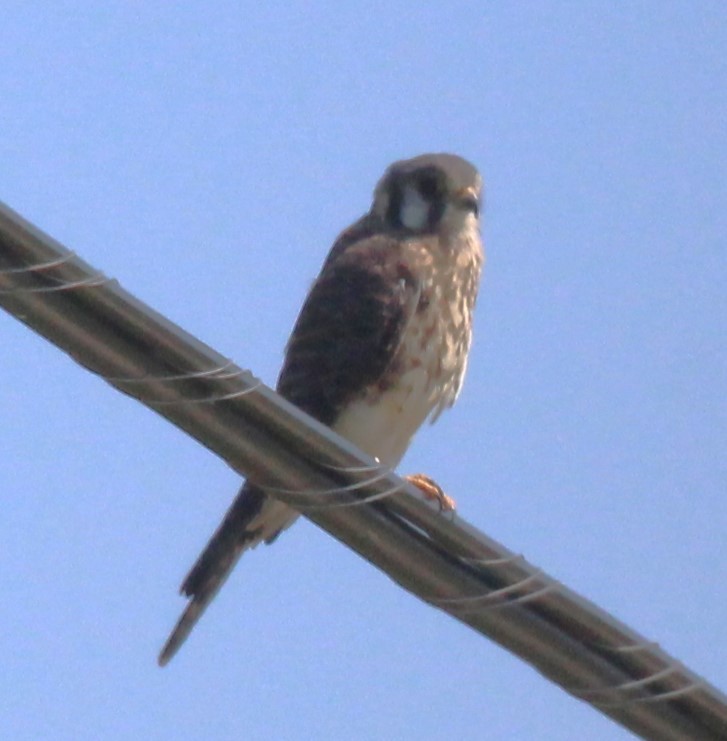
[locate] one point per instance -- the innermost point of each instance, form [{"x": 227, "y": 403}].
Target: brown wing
[
  {"x": 349, "y": 328},
  {"x": 345, "y": 338}
]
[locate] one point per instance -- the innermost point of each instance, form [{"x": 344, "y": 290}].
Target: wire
[{"x": 440, "y": 558}]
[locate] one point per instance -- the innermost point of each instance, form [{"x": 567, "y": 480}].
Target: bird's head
[{"x": 432, "y": 193}]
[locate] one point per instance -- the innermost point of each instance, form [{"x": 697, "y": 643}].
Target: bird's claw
[{"x": 432, "y": 490}]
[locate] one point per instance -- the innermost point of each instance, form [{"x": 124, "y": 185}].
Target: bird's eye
[{"x": 470, "y": 203}]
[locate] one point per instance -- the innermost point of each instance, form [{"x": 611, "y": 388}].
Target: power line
[{"x": 439, "y": 558}]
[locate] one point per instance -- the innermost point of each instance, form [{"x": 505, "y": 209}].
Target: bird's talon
[{"x": 432, "y": 490}]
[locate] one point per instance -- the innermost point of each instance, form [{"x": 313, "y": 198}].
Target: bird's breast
[{"x": 426, "y": 373}]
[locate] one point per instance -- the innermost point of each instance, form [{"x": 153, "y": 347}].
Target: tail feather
[{"x": 252, "y": 519}]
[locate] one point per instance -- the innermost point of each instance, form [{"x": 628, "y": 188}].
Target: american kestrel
[{"x": 380, "y": 344}]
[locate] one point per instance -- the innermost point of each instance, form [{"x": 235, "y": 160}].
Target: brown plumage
[{"x": 380, "y": 344}]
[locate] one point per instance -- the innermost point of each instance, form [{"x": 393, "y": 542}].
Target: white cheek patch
[{"x": 414, "y": 209}]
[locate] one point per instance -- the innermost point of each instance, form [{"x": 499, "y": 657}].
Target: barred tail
[{"x": 253, "y": 518}]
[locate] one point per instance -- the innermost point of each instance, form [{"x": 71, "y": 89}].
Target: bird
[{"x": 380, "y": 345}]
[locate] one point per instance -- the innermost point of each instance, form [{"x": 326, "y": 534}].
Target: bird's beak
[{"x": 468, "y": 199}]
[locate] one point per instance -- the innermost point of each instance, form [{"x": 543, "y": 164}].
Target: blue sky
[{"x": 206, "y": 155}]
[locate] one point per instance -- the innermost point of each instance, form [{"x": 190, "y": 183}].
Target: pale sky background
[{"x": 206, "y": 155}]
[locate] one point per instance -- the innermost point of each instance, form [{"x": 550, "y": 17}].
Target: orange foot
[{"x": 432, "y": 490}]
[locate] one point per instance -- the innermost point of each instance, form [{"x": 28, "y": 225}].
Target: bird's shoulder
[{"x": 364, "y": 243}]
